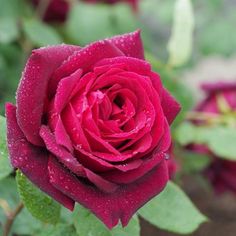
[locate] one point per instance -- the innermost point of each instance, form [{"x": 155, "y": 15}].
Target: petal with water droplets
[
  {"x": 32, "y": 90},
  {"x": 119, "y": 205},
  {"x": 30, "y": 159},
  {"x": 169, "y": 105},
  {"x": 131, "y": 44}
]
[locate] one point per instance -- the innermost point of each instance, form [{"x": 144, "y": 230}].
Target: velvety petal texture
[
  {"x": 220, "y": 97},
  {"x": 91, "y": 125}
]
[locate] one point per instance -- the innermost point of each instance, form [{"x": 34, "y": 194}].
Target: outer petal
[
  {"x": 130, "y": 176},
  {"x": 121, "y": 204},
  {"x": 130, "y": 44},
  {"x": 170, "y": 106},
  {"x": 31, "y": 160},
  {"x": 32, "y": 90}
]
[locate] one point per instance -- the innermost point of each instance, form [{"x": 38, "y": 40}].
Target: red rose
[
  {"x": 221, "y": 173},
  {"x": 91, "y": 125}
]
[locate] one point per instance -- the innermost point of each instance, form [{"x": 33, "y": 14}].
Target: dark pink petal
[
  {"x": 100, "y": 182},
  {"x": 165, "y": 142},
  {"x": 122, "y": 64},
  {"x": 98, "y": 165},
  {"x": 100, "y": 145},
  {"x": 169, "y": 105},
  {"x": 132, "y": 175},
  {"x": 84, "y": 59},
  {"x": 52, "y": 115},
  {"x": 131, "y": 44},
  {"x": 219, "y": 86},
  {"x": 30, "y": 159},
  {"x": 62, "y": 138},
  {"x": 156, "y": 82},
  {"x": 74, "y": 128},
  {"x": 121, "y": 204},
  {"x": 32, "y": 90},
  {"x": 61, "y": 153},
  {"x": 143, "y": 144},
  {"x": 65, "y": 88},
  {"x": 72, "y": 163},
  {"x": 209, "y": 105}
]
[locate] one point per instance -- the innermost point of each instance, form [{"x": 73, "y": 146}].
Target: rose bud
[
  {"x": 91, "y": 125},
  {"x": 133, "y": 3},
  {"x": 57, "y": 10},
  {"x": 219, "y": 107}
]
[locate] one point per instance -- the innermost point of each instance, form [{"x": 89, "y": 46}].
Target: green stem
[{"x": 10, "y": 219}]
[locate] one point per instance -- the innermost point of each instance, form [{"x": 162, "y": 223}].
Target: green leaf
[
  {"x": 180, "y": 43},
  {"x": 87, "y": 224},
  {"x": 89, "y": 22},
  {"x": 194, "y": 162},
  {"x": 39, "y": 204},
  {"x": 132, "y": 229},
  {"x": 8, "y": 193},
  {"x": 219, "y": 139},
  {"x": 172, "y": 210},
  {"x": 58, "y": 230},
  {"x": 221, "y": 27},
  {"x": 40, "y": 33},
  {"x": 185, "y": 133},
  {"x": 5, "y": 168},
  {"x": 123, "y": 19},
  {"x": 8, "y": 30}
]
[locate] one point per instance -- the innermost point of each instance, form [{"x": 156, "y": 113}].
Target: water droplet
[{"x": 167, "y": 156}]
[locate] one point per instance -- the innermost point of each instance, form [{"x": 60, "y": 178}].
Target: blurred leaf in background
[
  {"x": 90, "y": 22},
  {"x": 181, "y": 40}
]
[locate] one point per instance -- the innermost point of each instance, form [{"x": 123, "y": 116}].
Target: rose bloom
[
  {"x": 221, "y": 173},
  {"x": 91, "y": 125},
  {"x": 57, "y": 10}
]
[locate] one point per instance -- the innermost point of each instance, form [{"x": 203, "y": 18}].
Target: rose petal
[
  {"x": 32, "y": 89},
  {"x": 65, "y": 88},
  {"x": 130, "y": 64},
  {"x": 72, "y": 163},
  {"x": 31, "y": 160},
  {"x": 74, "y": 128},
  {"x": 100, "y": 182},
  {"x": 169, "y": 105},
  {"x": 111, "y": 207},
  {"x": 132, "y": 175},
  {"x": 218, "y": 86},
  {"x": 61, "y": 136},
  {"x": 61, "y": 153},
  {"x": 84, "y": 59},
  {"x": 131, "y": 44},
  {"x": 96, "y": 164},
  {"x": 165, "y": 142}
]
